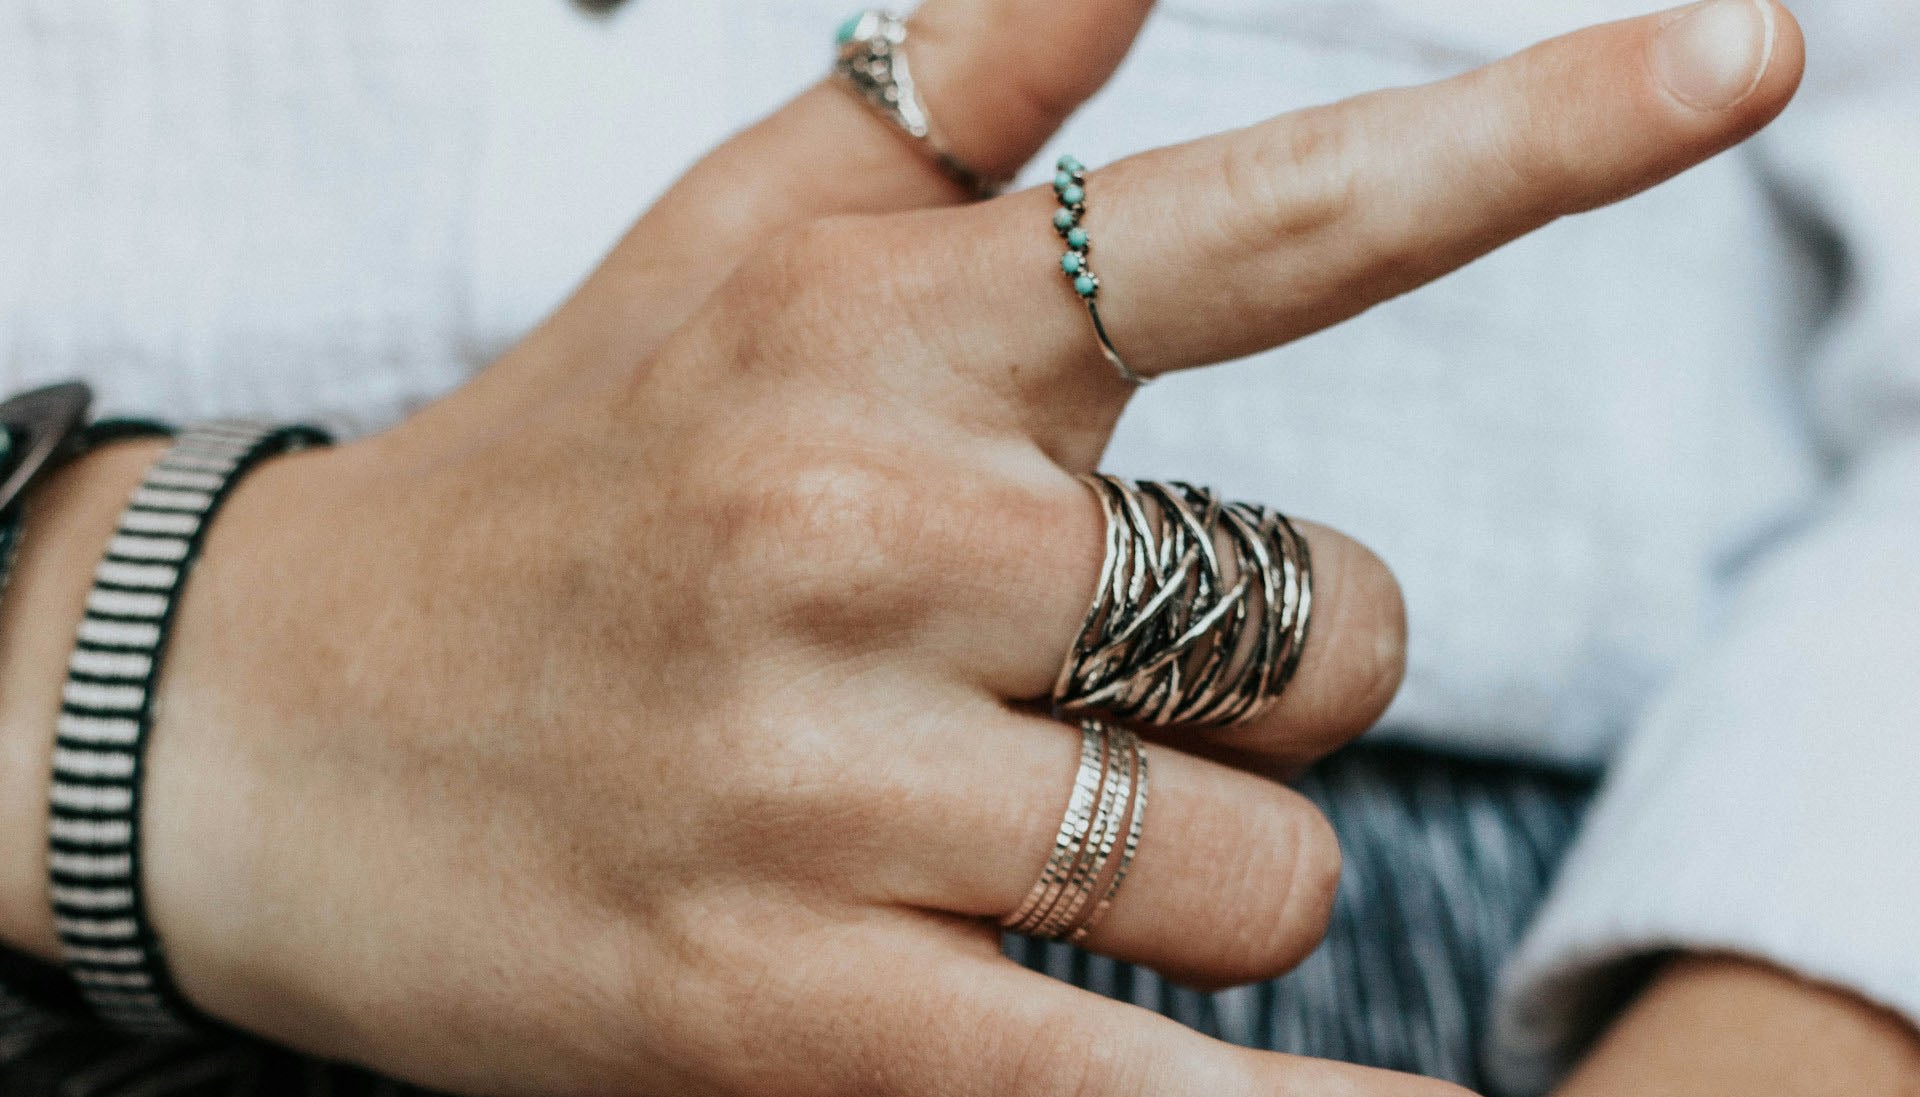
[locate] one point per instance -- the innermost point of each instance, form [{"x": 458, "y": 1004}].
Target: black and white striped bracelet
[{"x": 106, "y": 709}]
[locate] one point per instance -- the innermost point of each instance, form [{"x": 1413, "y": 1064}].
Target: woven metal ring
[{"x": 1201, "y": 611}]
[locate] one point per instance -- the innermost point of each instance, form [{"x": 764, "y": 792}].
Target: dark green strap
[{"x": 13, "y": 513}]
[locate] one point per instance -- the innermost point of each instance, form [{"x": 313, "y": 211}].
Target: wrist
[
  {"x": 68, "y": 522},
  {"x": 1722, "y": 1024}
]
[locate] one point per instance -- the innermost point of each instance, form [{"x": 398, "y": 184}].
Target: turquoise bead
[
  {"x": 1073, "y": 195},
  {"x": 1072, "y": 263},
  {"x": 1070, "y": 165},
  {"x": 1085, "y": 285},
  {"x": 847, "y": 28},
  {"x": 1077, "y": 239},
  {"x": 1063, "y": 219},
  {"x": 1062, "y": 181}
]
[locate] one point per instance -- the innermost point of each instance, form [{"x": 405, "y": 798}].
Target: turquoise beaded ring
[{"x": 1070, "y": 188}]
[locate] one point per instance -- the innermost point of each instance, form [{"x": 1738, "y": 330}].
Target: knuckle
[
  {"x": 739, "y": 1005},
  {"x": 802, "y": 806},
  {"x": 594, "y": 996},
  {"x": 1509, "y": 168},
  {"x": 1282, "y": 188},
  {"x": 856, "y": 514},
  {"x": 1521, "y": 164},
  {"x": 1029, "y": 97},
  {"x": 1290, "y": 180},
  {"x": 834, "y": 542}
]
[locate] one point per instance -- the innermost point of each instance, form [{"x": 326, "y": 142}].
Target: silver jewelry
[
  {"x": 1070, "y": 187},
  {"x": 1201, "y": 612},
  {"x": 1097, "y": 840},
  {"x": 873, "y": 62}
]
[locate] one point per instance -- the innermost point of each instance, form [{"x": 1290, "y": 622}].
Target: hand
[
  {"x": 1711, "y": 1025},
  {"x": 650, "y": 717}
]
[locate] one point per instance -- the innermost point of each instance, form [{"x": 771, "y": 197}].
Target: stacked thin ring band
[
  {"x": 872, "y": 61},
  {"x": 1070, "y": 188},
  {"x": 1201, "y": 612},
  {"x": 1098, "y": 837}
]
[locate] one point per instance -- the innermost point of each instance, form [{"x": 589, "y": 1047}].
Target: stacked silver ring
[
  {"x": 1098, "y": 838},
  {"x": 1201, "y": 612}
]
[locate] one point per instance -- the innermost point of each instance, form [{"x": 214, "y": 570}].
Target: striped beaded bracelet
[{"x": 106, "y": 937}]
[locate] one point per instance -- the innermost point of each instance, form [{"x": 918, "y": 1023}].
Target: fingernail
[{"x": 1712, "y": 55}]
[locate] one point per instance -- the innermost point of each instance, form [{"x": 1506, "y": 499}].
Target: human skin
[
  {"x": 653, "y": 715},
  {"x": 1719, "y": 1026}
]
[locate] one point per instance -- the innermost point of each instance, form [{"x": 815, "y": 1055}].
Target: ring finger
[{"x": 1232, "y": 882}]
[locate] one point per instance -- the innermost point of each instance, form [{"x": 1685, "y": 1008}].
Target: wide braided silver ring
[
  {"x": 872, "y": 61},
  {"x": 1201, "y": 611}
]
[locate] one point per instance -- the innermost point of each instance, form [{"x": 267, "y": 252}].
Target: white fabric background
[{"x": 1650, "y": 490}]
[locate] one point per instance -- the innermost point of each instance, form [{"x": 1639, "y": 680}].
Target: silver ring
[
  {"x": 1201, "y": 612},
  {"x": 1098, "y": 837},
  {"x": 873, "y": 63}
]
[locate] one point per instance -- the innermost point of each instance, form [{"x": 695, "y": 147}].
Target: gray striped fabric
[{"x": 1446, "y": 862}]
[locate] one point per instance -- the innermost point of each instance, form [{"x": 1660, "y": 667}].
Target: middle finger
[{"x": 1034, "y": 553}]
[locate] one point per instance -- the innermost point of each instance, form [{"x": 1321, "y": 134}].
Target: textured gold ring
[{"x": 1095, "y": 845}]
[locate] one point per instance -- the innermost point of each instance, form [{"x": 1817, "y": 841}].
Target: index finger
[{"x": 1243, "y": 241}]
